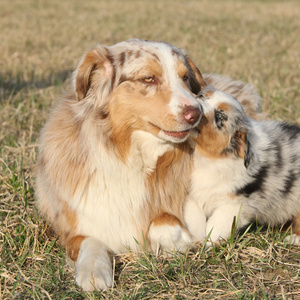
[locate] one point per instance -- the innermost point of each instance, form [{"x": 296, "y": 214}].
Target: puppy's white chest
[{"x": 213, "y": 181}]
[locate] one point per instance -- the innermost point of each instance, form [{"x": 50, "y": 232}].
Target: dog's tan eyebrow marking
[
  {"x": 154, "y": 67},
  {"x": 182, "y": 70},
  {"x": 208, "y": 94},
  {"x": 224, "y": 107}
]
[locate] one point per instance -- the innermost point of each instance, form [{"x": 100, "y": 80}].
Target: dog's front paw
[
  {"x": 167, "y": 233},
  {"x": 293, "y": 239},
  {"x": 94, "y": 268}
]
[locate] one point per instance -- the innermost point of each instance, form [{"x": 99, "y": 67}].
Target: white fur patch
[
  {"x": 117, "y": 193},
  {"x": 181, "y": 98},
  {"x": 168, "y": 238},
  {"x": 94, "y": 268},
  {"x": 219, "y": 225},
  {"x": 293, "y": 239},
  {"x": 195, "y": 221}
]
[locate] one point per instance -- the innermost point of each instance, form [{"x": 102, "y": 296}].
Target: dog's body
[
  {"x": 244, "y": 170},
  {"x": 111, "y": 151}
]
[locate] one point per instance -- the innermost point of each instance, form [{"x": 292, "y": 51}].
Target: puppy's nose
[{"x": 191, "y": 114}]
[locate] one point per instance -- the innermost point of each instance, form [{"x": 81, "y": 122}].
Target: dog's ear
[
  {"x": 197, "y": 82},
  {"x": 97, "y": 61},
  {"x": 244, "y": 148}
]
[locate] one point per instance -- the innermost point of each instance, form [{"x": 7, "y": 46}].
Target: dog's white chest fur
[
  {"x": 212, "y": 182},
  {"x": 116, "y": 193},
  {"x": 213, "y": 178}
]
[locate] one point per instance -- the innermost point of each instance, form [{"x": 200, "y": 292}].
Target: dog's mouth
[
  {"x": 177, "y": 134},
  {"x": 174, "y": 134}
]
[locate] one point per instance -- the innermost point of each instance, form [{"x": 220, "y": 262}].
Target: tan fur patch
[
  {"x": 208, "y": 94},
  {"x": 241, "y": 139},
  {"x": 296, "y": 225},
  {"x": 93, "y": 59},
  {"x": 210, "y": 141},
  {"x": 129, "y": 103},
  {"x": 166, "y": 219},
  {"x": 64, "y": 223},
  {"x": 197, "y": 73},
  {"x": 154, "y": 68},
  {"x": 72, "y": 246},
  {"x": 181, "y": 70},
  {"x": 72, "y": 153},
  {"x": 173, "y": 166},
  {"x": 224, "y": 107}
]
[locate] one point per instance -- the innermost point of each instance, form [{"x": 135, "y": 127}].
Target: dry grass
[{"x": 41, "y": 42}]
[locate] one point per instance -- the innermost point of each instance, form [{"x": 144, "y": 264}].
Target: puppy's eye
[
  {"x": 219, "y": 116},
  {"x": 185, "y": 77}
]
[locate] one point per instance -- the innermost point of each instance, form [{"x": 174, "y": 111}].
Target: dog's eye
[
  {"x": 219, "y": 116},
  {"x": 185, "y": 77},
  {"x": 149, "y": 79}
]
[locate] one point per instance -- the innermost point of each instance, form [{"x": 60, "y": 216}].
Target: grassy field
[{"x": 41, "y": 43}]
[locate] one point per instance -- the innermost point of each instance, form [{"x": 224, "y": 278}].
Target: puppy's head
[
  {"x": 141, "y": 85},
  {"x": 223, "y": 128}
]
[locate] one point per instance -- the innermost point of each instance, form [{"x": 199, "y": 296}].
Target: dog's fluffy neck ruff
[{"x": 127, "y": 179}]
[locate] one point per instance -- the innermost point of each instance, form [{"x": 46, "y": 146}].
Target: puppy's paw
[
  {"x": 167, "y": 233},
  {"x": 94, "y": 268},
  {"x": 293, "y": 239}
]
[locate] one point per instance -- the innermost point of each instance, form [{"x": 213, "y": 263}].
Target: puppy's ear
[
  {"x": 97, "y": 61},
  {"x": 244, "y": 149},
  {"x": 197, "y": 82}
]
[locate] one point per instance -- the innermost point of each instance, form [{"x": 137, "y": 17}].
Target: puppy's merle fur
[{"x": 244, "y": 169}]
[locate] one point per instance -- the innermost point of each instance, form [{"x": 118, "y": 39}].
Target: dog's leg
[
  {"x": 94, "y": 267},
  {"x": 195, "y": 221},
  {"x": 295, "y": 237},
  {"x": 167, "y": 233},
  {"x": 219, "y": 225}
]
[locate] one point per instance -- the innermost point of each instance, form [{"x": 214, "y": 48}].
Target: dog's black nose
[{"x": 191, "y": 114}]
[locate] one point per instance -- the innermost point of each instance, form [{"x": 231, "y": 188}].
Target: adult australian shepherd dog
[
  {"x": 112, "y": 151},
  {"x": 114, "y": 157}
]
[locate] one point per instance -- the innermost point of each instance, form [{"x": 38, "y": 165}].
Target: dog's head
[
  {"x": 223, "y": 128},
  {"x": 141, "y": 85}
]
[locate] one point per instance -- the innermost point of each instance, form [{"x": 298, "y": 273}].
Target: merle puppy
[{"x": 244, "y": 169}]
